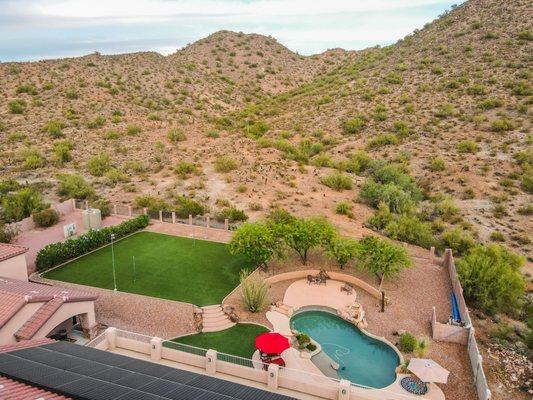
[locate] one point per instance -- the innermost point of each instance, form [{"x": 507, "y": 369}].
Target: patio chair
[{"x": 310, "y": 279}]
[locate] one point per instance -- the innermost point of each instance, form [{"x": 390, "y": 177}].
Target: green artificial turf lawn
[
  {"x": 169, "y": 267},
  {"x": 239, "y": 340}
]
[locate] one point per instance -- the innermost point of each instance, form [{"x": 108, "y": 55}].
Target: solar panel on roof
[{"x": 91, "y": 374}]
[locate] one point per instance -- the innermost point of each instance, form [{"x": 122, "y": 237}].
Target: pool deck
[{"x": 300, "y": 294}]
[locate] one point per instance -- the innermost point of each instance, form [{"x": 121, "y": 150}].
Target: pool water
[{"x": 362, "y": 360}]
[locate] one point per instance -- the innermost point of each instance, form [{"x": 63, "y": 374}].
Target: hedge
[{"x": 58, "y": 253}]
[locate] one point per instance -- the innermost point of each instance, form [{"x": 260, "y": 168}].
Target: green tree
[
  {"x": 491, "y": 278},
  {"x": 382, "y": 258},
  {"x": 304, "y": 234},
  {"x": 257, "y": 241},
  {"x": 342, "y": 249}
]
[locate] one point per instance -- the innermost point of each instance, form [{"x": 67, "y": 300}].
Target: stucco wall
[{"x": 15, "y": 268}]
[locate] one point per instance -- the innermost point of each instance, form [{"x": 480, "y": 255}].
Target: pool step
[
  {"x": 214, "y": 319},
  {"x": 284, "y": 309}
]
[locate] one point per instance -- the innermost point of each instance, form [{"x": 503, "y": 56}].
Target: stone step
[
  {"x": 212, "y": 307},
  {"x": 213, "y": 311},
  {"x": 217, "y": 328},
  {"x": 222, "y": 317}
]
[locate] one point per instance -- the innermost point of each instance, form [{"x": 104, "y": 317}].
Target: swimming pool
[{"x": 362, "y": 359}]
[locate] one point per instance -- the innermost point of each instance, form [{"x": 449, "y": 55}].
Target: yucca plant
[{"x": 254, "y": 292}]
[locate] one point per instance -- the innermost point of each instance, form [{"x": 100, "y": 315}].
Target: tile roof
[
  {"x": 13, "y": 390},
  {"x": 15, "y": 294},
  {"x": 11, "y": 250},
  {"x": 39, "y": 317},
  {"x": 25, "y": 344}
]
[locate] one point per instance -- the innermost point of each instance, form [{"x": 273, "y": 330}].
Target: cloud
[{"x": 303, "y": 25}]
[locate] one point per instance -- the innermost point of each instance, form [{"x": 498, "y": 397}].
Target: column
[
  {"x": 344, "y": 390},
  {"x": 211, "y": 361},
  {"x": 111, "y": 336},
  {"x": 156, "y": 345},
  {"x": 273, "y": 374}
]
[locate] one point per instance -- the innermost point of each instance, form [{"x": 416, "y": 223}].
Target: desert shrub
[
  {"x": 27, "y": 88},
  {"x": 32, "y": 158},
  {"x": 212, "y": 134},
  {"x": 445, "y": 111},
  {"x": 497, "y": 236},
  {"x": 74, "y": 186},
  {"x": 184, "y": 169},
  {"x": 176, "y": 135},
  {"x": 476, "y": 90},
  {"x": 354, "y": 125},
  {"x": 96, "y": 123},
  {"x": 525, "y": 35},
  {"x": 322, "y": 160},
  {"x": 397, "y": 199},
  {"x": 402, "y": 129},
  {"x": 115, "y": 176},
  {"x": 45, "y": 218},
  {"x": 407, "y": 342},
  {"x": 254, "y": 292},
  {"x": 62, "y": 150},
  {"x": 381, "y": 218},
  {"x": 225, "y": 164},
  {"x": 385, "y": 139},
  {"x": 21, "y": 204},
  {"x": 185, "y": 207},
  {"x": 151, "y": 203},
  {"x": 467, "y": 146},
  {"x": 60, "y": 252},
  {"x": 501, "y": 125},
  {"x": 232, "y": 214},
  {"x": 7, "y": 233},
  {"x": 408, "y": 228},
  {"x": 491, "y": 278},
  {"x": 436, "y": 164},
  {"x": 103, "y": 205},
  {"x": 71, "y": 94},
  {"x": 457, "y": 239},
  {"x": 99, "y": 164},
  {"x": 380, "y": 113},
  {"x": 256, "y": 129},
  {"x": 491, "y": 103},
  {"x": 358, "y": 163},
  {"x": 343, "y": 208},
  {"x": 17, "y": 106},
  {"x": 133, "y": 130},
  {"x": 393, "y": 78},
  {"x": 54, "y": 128},
  {"x": 337, "y": 181}
]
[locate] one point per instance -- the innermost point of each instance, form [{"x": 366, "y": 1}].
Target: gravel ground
[{"x": 412, "y": 296}]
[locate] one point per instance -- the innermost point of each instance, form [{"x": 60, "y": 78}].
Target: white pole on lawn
[
  {"x": 113, "y": 259},
  {"x": 134, "y": 271}
]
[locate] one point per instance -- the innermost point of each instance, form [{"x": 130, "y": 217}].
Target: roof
[
  {"x": 90, "y": 374},
  {"x": 15, "y": 294},
  {"x": 11, "y": 250},
  {"x": 13, "y": 390}
]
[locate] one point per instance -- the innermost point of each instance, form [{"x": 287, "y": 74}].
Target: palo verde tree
[
  {"x": 258, "y": 242},
  {"x": 491, "y": 279},
  {"x": 342, "y": 249},
  {"x": 304, "y": 234},
  {"x": 382, "y": 258}
]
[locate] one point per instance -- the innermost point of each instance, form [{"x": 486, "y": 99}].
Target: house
[{"x": 31, "y": 310}]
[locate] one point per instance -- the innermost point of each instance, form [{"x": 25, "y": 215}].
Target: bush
[
  {"x": 54, "y": 129},
  {"x": 467, "y": 146},
  {"x": 225, "y": 164},
  {"x": 411, "y": 230},
  {"x": 343, "y": 208},
  {"x": 337, "y": 181},
  {"x": 62, "y": 150},
  {"x": 74, "y": 187},
  {"x": 16, "y": 106},
  {"x": 45, "y": 218},
  {"x": 99, "y": 164},
  {"x": 501, "y": 125},
  {"x": 58, "y": 253},
  {"x": 232, "y": 214},
  {"x": 184, "y": 169},
  {"x": 382, "y": 140},
  {"x": 354, "y": 125},
  {"x": 458, "y": 240},
  {"x": 186, "y": 207},
  {"x": 254, "y": 292},
  {"x": 176, "y": 135},
  {"x": 497, "y": 236},
  {"x": 103, "y": 205},
  {"x": 21, "y": 204},
  {"x": 437, "y": 164},
  {"x": 7, "y": 233},
  {"x": 151, "y": 203},
  {"x": 303, "y": 340},
  {"x": 407, "y": 343},
  {"x": 491, "y": 279},
  {"x": 133, "y": 130}
]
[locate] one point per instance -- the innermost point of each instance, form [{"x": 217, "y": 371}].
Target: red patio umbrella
[{"x": 271, "y": 343}]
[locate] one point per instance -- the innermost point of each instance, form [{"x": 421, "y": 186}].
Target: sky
[{"x": 41, "y": 29}]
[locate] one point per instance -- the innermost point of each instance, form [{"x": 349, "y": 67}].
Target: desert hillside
[{"x": 449, "y": 103}]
